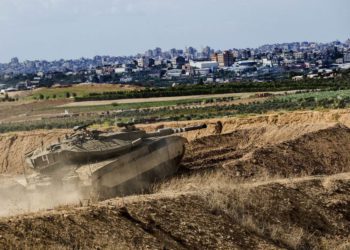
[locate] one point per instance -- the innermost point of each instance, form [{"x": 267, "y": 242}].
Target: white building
[
  {"x": 204, "y": 65},
  {"x": 120, "y": 70},
  {"x": 266, "y": 62},
  {"x": 345, "y": 66}
]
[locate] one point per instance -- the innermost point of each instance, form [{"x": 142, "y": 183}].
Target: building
[
  {"x": 347, "y": 57},
  {"x": 120, "y": 70},
  {"x": 206, "y": 52},
  {"x": 178, "y": 62},
  {"x": 143, "y": 62},
  {"x": 149, "y": 53},
  {"x": 14, "y": 61},
  {"x": 266, "y": 62},
  {"x": 202, "y": 72},
  {"x": 174, "y": 73},
  {"x": 173, "y": 52},
  {"x": 157, "y": 52},
  {"x": 204, "y": 65},
  {"x": 159, "y": 62},
  {"x": 224, "y": 59},
  {"x": 347, "y": 42},
  {"x": 339, "y": 61},
  {"x": 190, "y": 52},
  {"x": 246, "y": 54},
  {"x": 299, "y": 55}
]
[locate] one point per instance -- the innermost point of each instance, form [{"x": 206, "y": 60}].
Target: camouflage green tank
[{"x": 109, "y": 163}]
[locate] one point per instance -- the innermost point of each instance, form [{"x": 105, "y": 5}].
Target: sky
[{"x": 69, "y": 29}]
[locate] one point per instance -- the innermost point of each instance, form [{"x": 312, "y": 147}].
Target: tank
[{"x": 109, "y": 164}]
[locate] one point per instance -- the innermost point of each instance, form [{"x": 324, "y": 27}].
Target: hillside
[
  {"x": 276, "y": 181},
  {"x": 281, "y": 214}
]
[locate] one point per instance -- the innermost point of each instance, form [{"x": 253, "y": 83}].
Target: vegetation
[
  {"x": 76, "y": 91},
  {"x": 7, "y": 98},
  {"x": 290, "y": 103},
  {"x": 341, "y": 82}
]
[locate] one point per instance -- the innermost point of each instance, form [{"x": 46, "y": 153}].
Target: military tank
[{"x": 109, "y": 164}]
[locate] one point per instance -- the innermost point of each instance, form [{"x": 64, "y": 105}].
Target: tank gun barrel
[
  {"x": 81, "y": 127},
  {"x": 170, "y": 131},
  {"x": 187, "y": 129}
]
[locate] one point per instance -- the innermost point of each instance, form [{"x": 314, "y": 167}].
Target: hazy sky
[{"x": 54, "y": 29}]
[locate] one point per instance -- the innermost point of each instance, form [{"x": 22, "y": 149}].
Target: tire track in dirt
[{"x": 253, "y": 152}]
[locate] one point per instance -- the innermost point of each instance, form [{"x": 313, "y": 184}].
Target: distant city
[{"x": 295, "y": 60}]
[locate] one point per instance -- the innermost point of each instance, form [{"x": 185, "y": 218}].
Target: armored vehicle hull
[{"x": 135, "y": 171}]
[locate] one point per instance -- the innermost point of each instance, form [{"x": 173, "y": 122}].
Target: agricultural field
[
  {"x": 41, "y": 116},
  {"x": 78, "y": 90}
]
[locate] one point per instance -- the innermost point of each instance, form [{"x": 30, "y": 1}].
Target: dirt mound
[
  {"x": 288, "y": 213},
  {"x": 13, "y": 147},
  {"x": 281, "y": 214},
  {"x": 217, "y": 150},
  {"x": 322, "y": 152}
]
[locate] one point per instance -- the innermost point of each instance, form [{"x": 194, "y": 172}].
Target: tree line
[{"x": 342, "y": 82}]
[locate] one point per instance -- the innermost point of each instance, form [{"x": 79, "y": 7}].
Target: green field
[{"x": 77, "y": 91}]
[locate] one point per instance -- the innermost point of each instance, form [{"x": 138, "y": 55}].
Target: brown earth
[
  {"x": 251, "y": 152},
  {"x": 277, "y": 181},
  {"x": 13, "y": 147},
  {"x": 305, "y": 213}
]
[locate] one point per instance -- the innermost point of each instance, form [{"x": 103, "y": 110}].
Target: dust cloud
[{"x": 15, "y": 199}]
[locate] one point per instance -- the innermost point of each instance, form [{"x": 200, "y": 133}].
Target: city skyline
[
  {"x": 51, "y": 30},
  {"x": 197, "y": 50}
]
